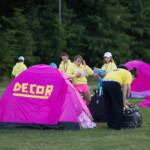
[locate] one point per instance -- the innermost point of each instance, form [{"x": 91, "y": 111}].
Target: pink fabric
[
  {"x": 140, "y": 94},
  {"x": 147, "y": 96},
  {"x": 77, "y": 99},
  {"x": 44, "y": 110},
  {"x": 82, "y": 88},
  {"x": 41, "y": 94},
  {"x": 86, "y": 121},
  {"x": 146, "y": 102},
  {"x": 142, "y": 82}
]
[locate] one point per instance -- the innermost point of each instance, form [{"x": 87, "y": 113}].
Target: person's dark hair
[
  {"x": 64, "y": 54},
  {"x": 134, "y": 72},
  {"x": 20, "y": 60},
  {"x": 78, "y": 56},
  {"x": 122, "y": 67}
]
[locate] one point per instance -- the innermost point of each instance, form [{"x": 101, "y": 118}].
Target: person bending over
[{"x": 115, "y": 86}]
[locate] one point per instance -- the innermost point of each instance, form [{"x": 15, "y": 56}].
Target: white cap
[
  {"x": 21, "y": 58},
  {"x": 107, "y": 54}
]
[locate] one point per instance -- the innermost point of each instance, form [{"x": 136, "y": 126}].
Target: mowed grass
[{"x": 99, "y": 138}]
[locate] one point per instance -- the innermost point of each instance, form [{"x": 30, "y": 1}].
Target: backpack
[
  {"x": 97, "y": 108},
  {"x": 132, "y": 120}
]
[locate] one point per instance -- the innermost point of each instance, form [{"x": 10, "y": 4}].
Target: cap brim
[{"x": 107, "y": 56}]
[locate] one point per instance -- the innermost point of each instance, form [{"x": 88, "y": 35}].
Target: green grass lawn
[{"x": 99, "y": 138}]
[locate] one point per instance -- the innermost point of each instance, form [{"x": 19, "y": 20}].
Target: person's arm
[
  {"x": 124, "y": 92},
  {"x": 70, "y": 73},
  {"x": 14, "y": 71},
  {"x": 129, "y": 91},
  {"x": 88, "y": 69},
  {"x": 128, "y": 94}
]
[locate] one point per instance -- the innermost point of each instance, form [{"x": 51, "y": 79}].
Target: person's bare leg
[{"x": 87, "y": 96}]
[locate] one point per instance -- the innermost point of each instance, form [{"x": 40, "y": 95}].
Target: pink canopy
[
  {"x": 42, "y": 95},
  {"x": 141, "y": 85}
]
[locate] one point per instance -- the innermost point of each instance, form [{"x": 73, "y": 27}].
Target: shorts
[{"x": 82, "y": 88}]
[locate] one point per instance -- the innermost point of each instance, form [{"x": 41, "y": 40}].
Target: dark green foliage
[
  {"x": 49, "y": 32},
  {"x": 88, "y": 27},
  {"x": 16, "y": 40}
]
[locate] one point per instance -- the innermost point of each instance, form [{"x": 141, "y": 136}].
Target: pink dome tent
[
  {"x": 141, "y": 86},
  {"x": 42, "y": 97}
]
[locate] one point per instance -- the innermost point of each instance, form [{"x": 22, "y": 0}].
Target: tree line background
[{"x": 32, "y": 28}]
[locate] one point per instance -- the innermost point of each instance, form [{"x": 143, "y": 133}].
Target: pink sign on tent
[{"x": 42, "y": 95}]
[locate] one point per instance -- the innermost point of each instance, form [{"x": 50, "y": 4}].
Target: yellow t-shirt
[
  {"x": 109, "y": 67},
  {"x": 63, "y": 67},
  {"x": 121, "y": 75},
  {"x": 73, "y": 70},
  {"x": 18, "y": 68}
]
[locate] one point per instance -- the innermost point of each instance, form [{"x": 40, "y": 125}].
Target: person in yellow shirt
[
  {"x": 78, "y": 72},
  {"x": 19, "y": 67},
  {"x": 64, "y": 63},
  {"x": 115, "y": 86},
  {"x": 109, "y": 64},
  {"x": 129, "y": 88}
]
